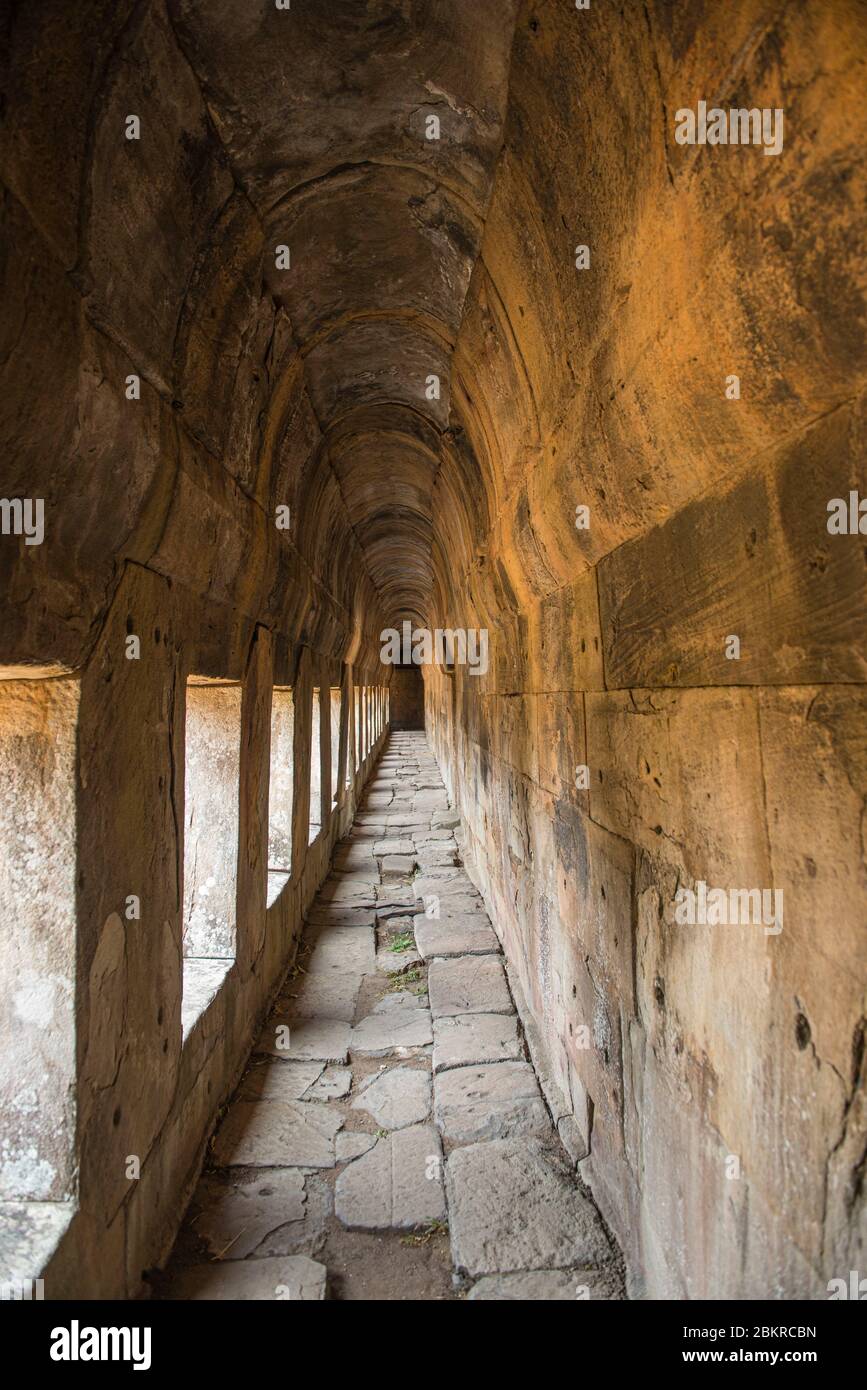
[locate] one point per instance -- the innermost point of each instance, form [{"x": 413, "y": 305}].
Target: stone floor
[{"x": 389, "y": 1139}]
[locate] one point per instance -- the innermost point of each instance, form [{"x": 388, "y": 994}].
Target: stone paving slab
[
  {"x": 397, "y": 866},
  {"x": 455, "y": 936},
  {"x": 325, "y": 995},
  {"x": 349, "y": 1145},
  {"x": 394, "y": 962},
  {"x": 435, "y": 858},
  {"x": 397, "y": 1097},
  {"x": 236, "y": 1217},
  {"x": 316, "y": 1039},
  {"x": 396, "y": 1021},
  {"x": 279, "y": 1080},
  {"x": 280, "y": 1134},
  {"x": 468, "y": 985},
  {"x": 397, "y": 1184},
  {"x": 332, "y": 916},
  {"x": 512, "y": 1208},
  {"x": 497, "y": 1101},
  {"x": 283, "y": 1278},
  {"x": 540, "y": 1285},
  {"x": 333, "y": 1084},
  {"x": 384, "y": 847},
  {"x": 466, "y": 1039},
  {"x": 342, "y": 950}
]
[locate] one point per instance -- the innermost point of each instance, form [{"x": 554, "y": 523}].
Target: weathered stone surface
[
  {"x": 397, "y": 1184},
  {"x": 397, "y": 866},
  {"x": 397, "y": 1097},
  {"x": 279, "y": 1080},
  {"x": 511, "y": 1208},
  {"x": 236, "y": 1217},
  {"x": 468, "y": 985},
  {"x": 539, "y": 1285},
  {"x": 277, "y": 1135},
  {"x": 286, "y": 1278},
  {"x": 350, "y": 1145},
  {"x": 463, "y": 1039},
  {"x": 316, "y": 1039},
  {"x": 327, "y": 994},
  {"x": 167, "y": 384},
  {"x": 394, "y": 962},
  {"x": 387, "y": 847},
  {"x": 397, "y": 1021},
  {"x": 496, "y": 1101},
  {"x": 455, "y": 936},
  {"x": 342, "y": 950},
  {"x": 331, "y": 1085}
]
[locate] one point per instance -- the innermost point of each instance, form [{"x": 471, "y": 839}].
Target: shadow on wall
[{"x": 407, "y": 698}]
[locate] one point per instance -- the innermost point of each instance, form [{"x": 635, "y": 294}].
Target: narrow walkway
[{"x": 389, "y": 1140}]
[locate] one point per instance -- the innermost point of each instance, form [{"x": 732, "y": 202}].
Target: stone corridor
[
  {"x": 433, "y": 509},
  {"x": 392, "y": 1092}
]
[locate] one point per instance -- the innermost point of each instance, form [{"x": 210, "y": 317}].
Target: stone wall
[{"x": 712, "y": 1075}]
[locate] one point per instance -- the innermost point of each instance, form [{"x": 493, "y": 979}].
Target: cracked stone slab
[
  {"x": 350, "y": 1145},
  {"x": 397, "y": 1184},
  {"x": 287, "y": 1278},
  {"x": 462, "y": 1040},
  {"x": 496, "y": 1101},
  {"x": 455, "y": 936},
  {"x": 396, "y": 1098},
  {"x": 236, "y": 1217},
  {"x": 333, "y": 1084},
  {"x": 280, "y": 1080},
  {"x": 396, "y": 1021},
  {"x": 316, "y": 1039},
  {"x": 445, "y": 820},
  {"x": 468, "y": 985},
  {"x": 540, "y": 1285},
  {"x": 511, "y": 1207},
  {"x": 281, "y": 1134}
]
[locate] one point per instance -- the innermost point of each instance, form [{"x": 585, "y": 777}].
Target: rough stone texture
[
  {"x": 235, "y": 1218},
  {"x": 278, "y": 1134},
  {"x": 540, "y": 1286},
  {"x": 280, "y": 1080},
  {"x": 348, "y": 1146},
  {"x": 333, "y": 1084},
  {"x": 489, "y": 1102},
  {"x": 397, "y": 1184},
  {"x": 321, "y": 1039},
  {"x": 510, "y": 1208},
  {"x": 465, "y": 1039},
  {"x": 468, "y": 985},
  {"x": 396, "y": 1022},
  {"x": 398, "y": 1097},
  {"x": 152, "y": 262},
  {"x": 292, "y": 1278},
  {"x": 455, "y": 936}
]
